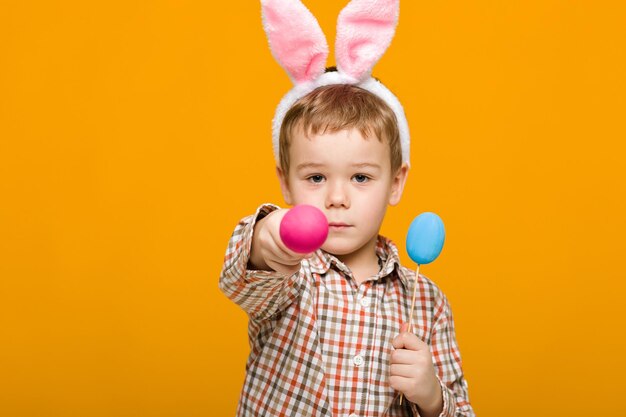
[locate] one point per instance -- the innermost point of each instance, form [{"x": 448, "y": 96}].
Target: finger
[
  {"x": 397, "y": 342},
  {"x": 406, "y": 371},
  {"x": 274, "y": 255},
  {"x": 278, "y": 263},
  {"x": 285, "y": 255},
  {"x": 400, "y": 383},
  {"x": 408, "y": 341},
  {"x": 286, "y": 270},
  {"x": 402, "y": 356},
  {"x": 289, "y": 255}
]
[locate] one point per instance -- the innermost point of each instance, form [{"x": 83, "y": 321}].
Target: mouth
[{"x": 338, "y": 225}]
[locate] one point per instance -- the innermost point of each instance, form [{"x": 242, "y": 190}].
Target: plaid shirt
[{"x": 321, "y": 343}]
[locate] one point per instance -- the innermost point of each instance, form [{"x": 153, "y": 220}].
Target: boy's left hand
[{"x": 413, "y": 373}]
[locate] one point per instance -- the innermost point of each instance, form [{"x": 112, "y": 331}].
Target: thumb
[{"x": 404, "y": 327}]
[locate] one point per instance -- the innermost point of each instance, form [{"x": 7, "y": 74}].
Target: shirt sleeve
[
  {"x": 447, "y": 361},
  {"x": 260, "y": 294}
]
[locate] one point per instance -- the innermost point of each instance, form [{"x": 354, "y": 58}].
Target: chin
[{"x": 339, "y": 248}]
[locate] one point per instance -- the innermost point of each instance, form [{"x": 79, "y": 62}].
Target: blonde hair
[{"x": 341, "y": 106}]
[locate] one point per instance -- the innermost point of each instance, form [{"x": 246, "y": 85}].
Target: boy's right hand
[{"x": 268, "y": 252}]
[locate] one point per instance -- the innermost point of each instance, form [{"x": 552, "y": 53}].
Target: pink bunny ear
[
  {"x": 364, "y": 31},
  {"x": 296, "y": 39}
]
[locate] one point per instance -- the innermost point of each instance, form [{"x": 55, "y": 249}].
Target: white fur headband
[{"x": 364, "y": 31}]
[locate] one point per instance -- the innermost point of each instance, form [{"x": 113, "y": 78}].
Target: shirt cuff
[
  {"x": 449, "y": 405},
  {"x": 449, "y": 402},
  {"x": 252, "y": 275}
]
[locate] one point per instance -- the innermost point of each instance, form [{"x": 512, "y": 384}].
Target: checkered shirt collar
[{"x": 386, "y": 251}]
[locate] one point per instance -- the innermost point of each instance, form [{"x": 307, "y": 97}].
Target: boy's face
[{"x": 347, "y": 177}]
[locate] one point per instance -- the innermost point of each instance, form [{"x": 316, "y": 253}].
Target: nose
[{"x": 337, "y": 195}]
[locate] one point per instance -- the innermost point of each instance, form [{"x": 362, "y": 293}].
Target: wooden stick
[{"x": 412, "y": 308}]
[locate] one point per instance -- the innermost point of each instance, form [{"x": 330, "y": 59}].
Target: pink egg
[{"x": 304, "y": 228}]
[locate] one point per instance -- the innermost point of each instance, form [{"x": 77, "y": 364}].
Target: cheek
[
  {"x": 379, "y": 212},
  {"x": 371, "y": 207},
  {"x": 303, "y": 196},
  {"x": 376, "y": 199}
]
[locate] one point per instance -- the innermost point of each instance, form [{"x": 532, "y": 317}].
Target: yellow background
[{"x": 134, "y": 136}]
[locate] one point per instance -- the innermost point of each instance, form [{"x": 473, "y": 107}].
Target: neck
[{"x": 363, "y": 262}]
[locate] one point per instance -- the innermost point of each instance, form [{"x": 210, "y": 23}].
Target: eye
[
  {"x": 361, "y": 178},
  {"x": 316, "y": 179}
]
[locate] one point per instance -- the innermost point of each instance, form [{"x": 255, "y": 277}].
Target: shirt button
[
  {"x": 365, "y": 302},
  {"x": 358, "y": 360}
]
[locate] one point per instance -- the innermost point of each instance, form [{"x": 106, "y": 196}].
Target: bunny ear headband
[{"x": 364, "y": 31}]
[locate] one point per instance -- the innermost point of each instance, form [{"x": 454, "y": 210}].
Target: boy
[
  {"x": 322, "y": 325},
  {"x": 327, "y": 330}
]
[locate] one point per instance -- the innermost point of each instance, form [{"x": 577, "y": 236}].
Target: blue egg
[{"x": 425, "y": 238}]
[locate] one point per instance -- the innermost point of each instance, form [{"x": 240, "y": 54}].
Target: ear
[
  {"x": 397, "y": 184},
  {"x": 296, "y": 39},
  {"x": 364, "y": 31},
  {"x": 284, "y": 186}
]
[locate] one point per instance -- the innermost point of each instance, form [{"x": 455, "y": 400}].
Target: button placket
[
  {"x": 362, "y": 298},
  {"x": 358, "y": 360}
]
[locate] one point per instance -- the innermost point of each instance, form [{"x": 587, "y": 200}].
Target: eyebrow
[
  {"x": 366, "y": 165},
  {"x": 306, "y": 165}
]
